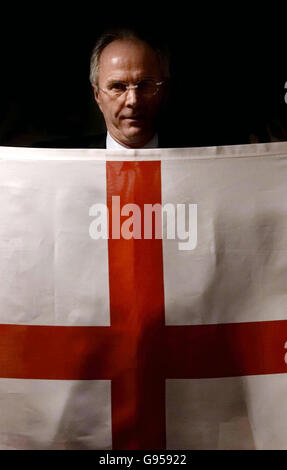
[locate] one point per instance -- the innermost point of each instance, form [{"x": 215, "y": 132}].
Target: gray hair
[{"x": 117, "y": 34}]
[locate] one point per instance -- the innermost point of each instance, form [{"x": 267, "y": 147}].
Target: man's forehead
[{"x": 128, "y": 54}]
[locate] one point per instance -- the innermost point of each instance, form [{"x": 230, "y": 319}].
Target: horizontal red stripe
[
  {"x": 55, "y": 352},
  {"x": 224, "y": 350},
  {"x": 59, "y": 352}
]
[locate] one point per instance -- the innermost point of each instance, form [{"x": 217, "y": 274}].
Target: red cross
[{"x": 138, "y": 352}]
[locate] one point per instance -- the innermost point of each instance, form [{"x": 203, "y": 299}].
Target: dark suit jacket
[{"x": 99, "y": 142}]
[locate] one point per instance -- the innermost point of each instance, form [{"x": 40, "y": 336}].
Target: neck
[{"x": 150, "y": 142}]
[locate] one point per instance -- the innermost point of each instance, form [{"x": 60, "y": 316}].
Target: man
[{"x": 129, "y": 79}]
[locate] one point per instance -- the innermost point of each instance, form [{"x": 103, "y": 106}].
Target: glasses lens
[
  {"x": 144, "y": 88},
  {"x": 117, "y": 89},
  {"x": 147, "y": 87}
]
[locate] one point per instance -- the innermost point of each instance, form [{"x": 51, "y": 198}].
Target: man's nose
[{"x": 131, "y": 97}]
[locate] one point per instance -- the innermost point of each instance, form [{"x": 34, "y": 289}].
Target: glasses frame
[{"x": 131, "y": 87}]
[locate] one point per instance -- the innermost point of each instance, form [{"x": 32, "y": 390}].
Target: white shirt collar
[{"x": 112, "y": 144}]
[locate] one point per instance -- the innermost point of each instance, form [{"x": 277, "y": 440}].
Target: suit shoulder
[{"x": 90, "y": 141}]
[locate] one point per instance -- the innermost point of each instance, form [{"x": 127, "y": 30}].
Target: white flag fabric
[{"x": 120, "y": 333}]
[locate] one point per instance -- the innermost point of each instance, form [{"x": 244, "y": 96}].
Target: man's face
[{"x": 130, "y": 118}]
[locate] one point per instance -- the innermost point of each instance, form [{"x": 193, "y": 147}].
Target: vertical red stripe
[{"x": 137, "y": 312}]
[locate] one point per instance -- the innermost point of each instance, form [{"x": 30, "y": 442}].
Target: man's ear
[{"x": 96, "y": 95}]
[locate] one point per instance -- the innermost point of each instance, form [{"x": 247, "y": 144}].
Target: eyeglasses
[{"x": 144, "y": 88}]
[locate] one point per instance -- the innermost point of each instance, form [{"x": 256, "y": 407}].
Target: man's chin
[{"x": 136, "y": 135}]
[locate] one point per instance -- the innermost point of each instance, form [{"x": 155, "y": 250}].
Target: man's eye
[
  {"x": 146, "y": 85},
  {"x": 118, "y": 87}
]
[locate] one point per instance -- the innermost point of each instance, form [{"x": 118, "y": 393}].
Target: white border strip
[{"x": 269, "y": 149}]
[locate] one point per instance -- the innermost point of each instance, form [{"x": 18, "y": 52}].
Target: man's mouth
[{"x": 137, "y": 117}]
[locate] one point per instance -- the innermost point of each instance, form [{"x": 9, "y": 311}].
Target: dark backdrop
[{"x": 228, "y": 72}]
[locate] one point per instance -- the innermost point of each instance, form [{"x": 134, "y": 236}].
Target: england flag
[{"x": 143, "y": 299}]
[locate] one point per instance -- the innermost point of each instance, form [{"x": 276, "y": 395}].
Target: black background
[{"x": 228, "y": 70}]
